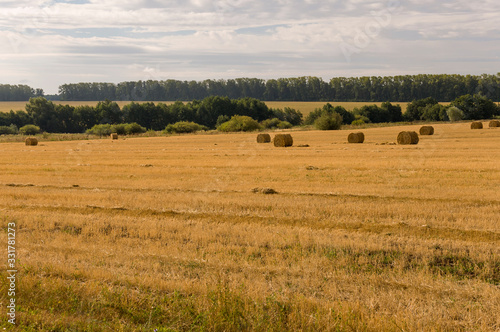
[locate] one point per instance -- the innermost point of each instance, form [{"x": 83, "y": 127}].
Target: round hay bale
[
  {"x": 407, "y": 137},
  {"x": 494, "y": 123},
  {"x": 283, "y": 140},
  {"x": 427, "y": 130},
  {"x": 263, "y": 138},
  {"x": 32, "y": 141},
  {"x": 114, "y": 136},
  {"x": 356, "y": 137},
  {"x": 476, "y": 125}
]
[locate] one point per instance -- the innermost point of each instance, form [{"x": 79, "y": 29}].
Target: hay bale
[
  {"x": 263, "y": 138},
  {"x": 283, "y": 140},
  {"x": 32, "y": 141},
  {"x": 407, "y": 137},
  {"x": 356, "y": 137},
  {"x": 476, "y": 125},
  {"x": 494, "y": 123},
  {"x": 114, "y": 136},
  {"x": 427, "y": 130}
]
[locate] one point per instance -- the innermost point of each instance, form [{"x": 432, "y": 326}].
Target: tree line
[
  {"x": 443, "y": 88},
  {"x": 208, "y": 112},
  {"x": 19, "y": 92},
  {"x": 212, "y": 111}
]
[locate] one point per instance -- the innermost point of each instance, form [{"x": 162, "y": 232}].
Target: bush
[
  {"x": 328, "y": 121},
  {"x": 358, "y": 122},
  {"x": 120, "y": 129},
  {"x": 284, "y": 125},
  {"x": 289, "y": 115},
  {"x": 239, "y": 123},
  {"x": 29, "y": 130},
  {"x": 455, "y": 114},
  {"x": 101, "y": 130},
  {"x": 270, "y": 123},
  {"x": 275, "y": 123},
  {"x": 8, "y": 130},
  {"x": 347, "y": 117},
  {"x": 134, "y": 128},
  {"x": 221, "y": 119},
  {"x": 435, "y": 112},
  {"x": 184, "y": 127}
]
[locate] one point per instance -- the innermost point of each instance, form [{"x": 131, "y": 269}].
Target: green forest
[{"x": 443, "y": 88}]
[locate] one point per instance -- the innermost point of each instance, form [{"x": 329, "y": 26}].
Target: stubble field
[{"x": 168, "y": 233}]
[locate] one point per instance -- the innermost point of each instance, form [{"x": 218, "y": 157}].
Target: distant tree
[
  {"x": 347, "y": 117},
  {"x": 476, "y": 107},
  {"x": 455, "y": 114},
  {"x": 43, "y": 113},
  {"x": 328, "y": 121},
  {"x": 29, "y": 130},
  {"x": 109, "y": 112},
  {"x": 415, "y": 109}
]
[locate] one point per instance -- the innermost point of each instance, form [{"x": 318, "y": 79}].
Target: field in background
[
  {"x": 169, "y": 233},
  {"x": 304, "y": 107}
]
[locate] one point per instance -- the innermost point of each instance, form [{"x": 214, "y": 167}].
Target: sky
[{"x": 45, "y": 44}]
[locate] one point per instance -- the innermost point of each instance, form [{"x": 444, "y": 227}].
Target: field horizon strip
[{"x": 176, "y": 233}]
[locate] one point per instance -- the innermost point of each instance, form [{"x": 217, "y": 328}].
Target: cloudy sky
[{"x": 48, "y": 43}]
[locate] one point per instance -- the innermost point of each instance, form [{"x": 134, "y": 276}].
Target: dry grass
[{"x": 364, "y": 237}]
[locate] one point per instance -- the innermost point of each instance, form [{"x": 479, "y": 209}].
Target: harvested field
[{"x": 360, "y": 237}]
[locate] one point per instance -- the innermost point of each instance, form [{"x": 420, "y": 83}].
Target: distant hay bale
[
  {"x": 356, "y": 137},
  {"x": 283, "y": 140},
  {"x": 263, "y": 138},
  {"x": 31, "y": 141},
  {"x": 427, "y": 130},
  {"x": 407, "y": 137},
  {"x": 476, "y": 125},
  {"x": 494, "y": 123},
  {"x": 114, "y": 136}
]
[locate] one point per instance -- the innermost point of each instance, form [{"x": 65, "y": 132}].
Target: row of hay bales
[
  {"x": 280, "y": 140},
  {"x": 479, "y": 125},
  {"x": 404, "y": 137}
]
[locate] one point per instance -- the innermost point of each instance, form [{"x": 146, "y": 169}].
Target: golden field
[{"x": 168, "y": 233}]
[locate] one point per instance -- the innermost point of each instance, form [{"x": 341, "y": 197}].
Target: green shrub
[
  {"x": 9, "y": 130},
  {"x": 184, "y": 127},
  {"x": 275, "y": 123},
  {"x": 134, "y": 128},
  {"x": 284, "y": 125},
  {"x": 221, "y": 119},
  {"x": 101, "y": 130},
  {"x": 239, "y": 123},
  {"x": 289, "y": 115},
  {"x": 455, "y": 113},
  {"x": 328, "y": 121},
  {"x": 358, "y": 122},
  {"x": 270, "y": 123},
  {"x": 120, "y": 129},
  {"x": 347, "y": 117},
  {"x": 29, "y": 130}
]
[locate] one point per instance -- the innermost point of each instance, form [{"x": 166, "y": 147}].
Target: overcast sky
[{"x": 48, "y": 43}]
